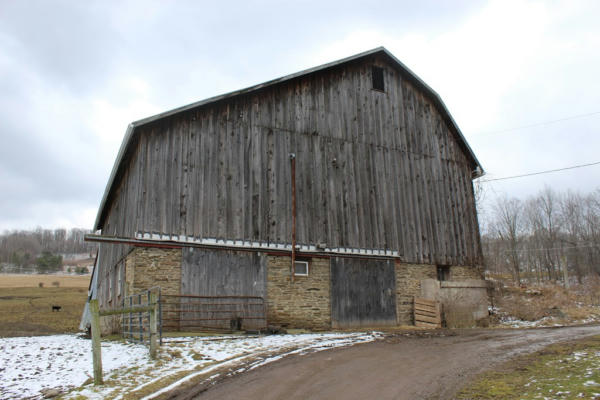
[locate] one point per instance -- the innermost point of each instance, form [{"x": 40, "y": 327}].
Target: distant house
[{"x": 200, "y": 199}]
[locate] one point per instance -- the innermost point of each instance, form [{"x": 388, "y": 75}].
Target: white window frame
[{"x": 301, "y": 262}]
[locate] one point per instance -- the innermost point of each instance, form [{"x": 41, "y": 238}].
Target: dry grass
[
  {"x": 560, "y": 371},
  {"x": 551, "y": 300},
  {"x": 26, "y": 308},
  {"x": 20, "y": 281}
]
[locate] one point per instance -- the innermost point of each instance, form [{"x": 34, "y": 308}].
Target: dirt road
[{"x": 397, "y": 367}]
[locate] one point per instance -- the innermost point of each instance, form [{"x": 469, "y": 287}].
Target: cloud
[{"x": 74, "y": 74}]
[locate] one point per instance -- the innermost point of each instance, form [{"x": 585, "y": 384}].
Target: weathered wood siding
[
  {"x": 374, "y": 170},
  {"x": 111, "y": 274},
  {"x": 222, "y": 273},
  {"x": 363, "y": 293}
]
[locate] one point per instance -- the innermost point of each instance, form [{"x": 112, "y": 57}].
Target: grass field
[
  {"x": 26, "y": 309},
  {"x": 561, "y": 371},
  {"x": 20, "y": 281}
]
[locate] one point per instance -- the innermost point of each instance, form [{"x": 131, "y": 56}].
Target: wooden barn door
[
  {"x": 231, "y": 285},
  {"x": 363, "y": 292}
]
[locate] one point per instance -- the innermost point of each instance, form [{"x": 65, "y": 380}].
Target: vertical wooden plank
[
  {"x": 271, "y": 187},
  {"x": 227, "y": 172},
  {"x": 246, "y": 167},
  {"x": 425, "y": 177},
  {"x": 145, "y": 185},
  {"x": 154, "y": 214},
  {"x": 396, "y": 157},
  {"x": 414, "y": 211},
  {"x": 96, "y": 347},
  {"x": 422, "y": 180},
  {"x": 174, "y": 194},
  {"x": 362, "y": 155},
  {"x": 332, "y": 171},
  {"x": 153, "y": 324},
  {"x": 445, "y": 211},
  {"x": 363, "y": 293},
  {"x": 319, "y": 200},
  {"x": 351, "y": 215},
  {"x": 410, "y": 245},
  {"x": 184, "y": 175},
  {"x": 447, "y": 193},
  {"x": 258, "y": 168},
  {"x": 462, "y": 198},
  {"x": 430, "y": 151},
  {"x": 221, "y": 172},
  {"x": 198, "y": 155}
]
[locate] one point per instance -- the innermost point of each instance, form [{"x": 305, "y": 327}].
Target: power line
[
  {"x": 540, "y": 172},
  {"x": 541, "y": 123},
  {"x": 526, "y": 250}
]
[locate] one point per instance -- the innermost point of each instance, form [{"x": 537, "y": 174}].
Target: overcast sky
[{"x": 73, "y": 74}]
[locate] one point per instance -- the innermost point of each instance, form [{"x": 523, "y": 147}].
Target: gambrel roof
[{"x": 403, "y": 69}]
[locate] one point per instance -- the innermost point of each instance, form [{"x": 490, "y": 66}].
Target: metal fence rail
[
  {"x": 135, "y": 326},
  {"x": 221, "y": 313},
  {"x": 148, "y": 304}
]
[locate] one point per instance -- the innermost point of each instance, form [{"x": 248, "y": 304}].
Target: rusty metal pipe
[{"x": 293, "y": 161}]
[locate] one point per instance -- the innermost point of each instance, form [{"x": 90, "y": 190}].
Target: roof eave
[
  {"x": 113, "y": 173},
  {"x": 440, "y": 102}
]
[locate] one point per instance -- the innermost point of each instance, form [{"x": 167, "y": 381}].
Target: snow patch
[
  {"x": 32, "y": 364},
  {"x": 29, "y": 365}
]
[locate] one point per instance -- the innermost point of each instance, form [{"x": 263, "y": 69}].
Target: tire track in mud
[{"x": 400, "y": 366}]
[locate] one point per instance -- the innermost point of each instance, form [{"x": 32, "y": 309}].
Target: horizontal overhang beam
[{"x": 171, "y": 244}]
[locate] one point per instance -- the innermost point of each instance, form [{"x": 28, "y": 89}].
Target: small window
[
  {"x": 377, "y": 75},
  {"x": 301, "y": 268},
  {"x": 443, "y": 273}
]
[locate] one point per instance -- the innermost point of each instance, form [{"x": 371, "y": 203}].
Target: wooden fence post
[
  {"x": 153, "y": 320},
  {"x": 96, "y": 348}
]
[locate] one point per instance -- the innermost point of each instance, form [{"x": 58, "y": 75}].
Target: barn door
[
  {"x": 363, "y": 292},
  {"x": 222, "y": 289},
  {"x": 222, "y": 273}
]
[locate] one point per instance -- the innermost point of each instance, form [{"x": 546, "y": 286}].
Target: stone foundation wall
[
  {"x": 461, "y": 273},
  {"x": 304, "y": 303},
  {"x": 146, "y": 267},
  {"x": 408, "y": 285}
]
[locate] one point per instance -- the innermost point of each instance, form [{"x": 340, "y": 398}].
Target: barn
[{"x": 334, "y": 196}]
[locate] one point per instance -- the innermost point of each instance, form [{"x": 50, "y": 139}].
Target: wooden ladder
[{"x": 427, "y": 313}]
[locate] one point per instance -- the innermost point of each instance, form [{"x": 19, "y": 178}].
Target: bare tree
[
  {"x": 548, "y": 234},
  {"x": 509, "y": 225},
  {"x": 571, "y": 211}
]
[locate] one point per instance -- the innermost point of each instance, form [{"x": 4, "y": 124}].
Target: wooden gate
[
  {"x": 218, "y": 287},
  {"x": 427, "y": 313},
  {"x": 363, "y": 292},
  {"x": 207, "y": 313}
]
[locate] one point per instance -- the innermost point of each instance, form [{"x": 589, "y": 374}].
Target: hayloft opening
[
  {"x": 443, "y": 273},
  {"x": 377, "y": 77}
]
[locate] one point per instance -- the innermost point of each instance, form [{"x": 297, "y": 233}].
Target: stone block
[{"x": 303, "y": 303}]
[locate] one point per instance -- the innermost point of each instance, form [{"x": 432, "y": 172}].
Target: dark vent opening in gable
[{"x": 377, "y": 75}]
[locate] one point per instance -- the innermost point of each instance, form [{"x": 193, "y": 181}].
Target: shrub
[
  {"x": 81, "y": 270},
  {"x": 48, "y": 262}
]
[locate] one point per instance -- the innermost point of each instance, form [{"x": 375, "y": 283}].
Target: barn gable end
[{"x": 384, "y": 172}]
